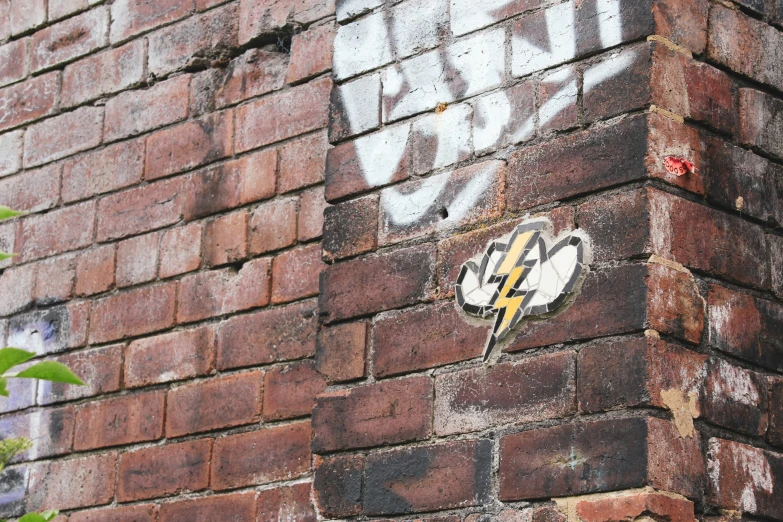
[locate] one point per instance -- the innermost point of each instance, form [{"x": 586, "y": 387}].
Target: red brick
[
  {"x": 618, "y": 225},
  {"x": 13, "y": 61},
  {"x": 735, "y": 36},
  {"x": 302, "y": 162},
  {"x": 761, "y": 120},
  {"x": 528, "y": 391},
  {"x": 16, "y": 286},
  {"x": 106, "y": 170},
  {"x": 51, "y": 483},
  {"x": 135, "y": 312},
  {"x": 290, "y": 391},
  {"x": 134, "y": 112},
  {"x": 95, "y": 270},
  {"x": 170, "y": 357},
  {"x": 350, "y": 228},
  {"x": 424, "y": 338},
  {"x": 745, "y": 327},
  {"x": 286, "y": 503},
  {"x": 11, "y": 152},
  {"x": 64, "y": 8},
  {"x": 56, "y": 232},
  {"x": 164, "y": 470},
  {"x": 295, "y": 274},
  {"x": 345, "y": 173},
  {"x": 130, "y": 17},
  {"x": 341, "y": 351},
  {"x": 337, "y": 485},
  {"x": 219, "y": 292},
  {"x": 140, "y": 210},
  {"x": 231, "y": 185},
  {"x": 50, "y": 330},
  {"x": 388, "y": 412},
  {"x": 8, "y": 232},
  {"x": 683, "y": 22},
  {"x": 283, "y": 453},
  {"x": 189, "y": 145},
  {"x": 63, "y": 135},
  {"x": 259, "y": 17},
  {"x": 280, "y": 116},
  {"x": 237, "y": 506},
  {"x": 630, "y": 505},
  {"x": 256, "y": 72},
  {"x": 559, "y": 89},
  {"x": 398, "y": 278},
  {"x": 119, "y": 421},
  {"x": 735, "y": 398},
  {"x": 55, "y": 279},
  {"x": 70, "y": 39},
  {"x": 273, "y": 226},
  {"x": 137, "y": 259},
  {"x": 450, "y": 475},
  {"x": 311, "y": 214},
  {"x": 625, "y": 91},
  {"x": 23, "y": 16},
  {"x": 279, "y": 334},
  {"x": 32, "y": 190},
  {"x": 225, "y": 239},
  {"x": 50, "y": 430},
  {"x": 669, "y": 138},
  {"x": 674, "y": 304},
  {"x": 180, "y": 250},
  {"x": 775, "y": 430},
  {"x": 99, "y": 368},
  {"x": 137, "y": 513},
  {"x": 311, "y": 53},
  {"x": 196, "y": 41},
  {"x": 624, "y": 453},
  {"x": 775, "y": 245},
  {"x": 744, "y": 478},
  {"x": 221, "y": 402}
]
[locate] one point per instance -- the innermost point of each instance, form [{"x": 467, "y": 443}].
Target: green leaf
[
  {"x": 51, "y": 371},
  {"x": 4, "y": 256},
  {"x": 3, "y": 389},
  {"x": 10, "y": 357},
  {"x": 6, "y": 213},
  {"x": 32, "y": 517},
  {"x": 48, "y": 515}
]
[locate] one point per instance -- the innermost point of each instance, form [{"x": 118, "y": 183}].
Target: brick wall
[{"x": 246, "y": 221}]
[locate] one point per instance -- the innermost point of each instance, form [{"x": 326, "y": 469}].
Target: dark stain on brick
[{"x": 68, "y": 39}]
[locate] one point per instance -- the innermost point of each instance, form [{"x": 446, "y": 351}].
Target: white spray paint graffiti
[{"x": 471, "y": 65}]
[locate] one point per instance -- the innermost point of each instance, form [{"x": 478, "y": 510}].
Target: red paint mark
[{"x": 678, "y": 166}]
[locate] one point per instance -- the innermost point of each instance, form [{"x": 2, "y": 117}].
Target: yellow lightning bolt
[{"x": 516, "y": 250}]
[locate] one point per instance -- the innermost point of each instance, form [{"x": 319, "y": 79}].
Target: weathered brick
[
  {"x": 239, "y": 506},
  {"x": 196, "y": 41},
  {"x": 140, "y": 210},
  {"x": 441, "y": 138},
  {"x": 137, "y": 259},
  {"x": 189, "y": 145},
  {"x": 119, "y": 420},
  {"x": 424, "y": 338},
  {"x": 13, "y": 61},
  {"x": 428, "y": 478},
  {"x": 63, "y": 8},
  {"x": 363, "y": 96},
  {"x": 624, "y": 453},
  {"x": 667, "y": 137},
  {"x": 775, "y": 245},
  {"x": 631, "y": 504},
  {"x": 99, "y": 368},
  {"x": 259, "y": 17},
  {"x": 11, "y": 152},
  {"x": 311, "y": 53},
  {"x": 23, "y": 16},
  {"x": 273, "y": 226},
  {"x": 775, "y": 429},
  {"x": 116, "y": 166},
  {"x": 627, "y": 90},
  {"x": 137, "y": 513},
  {"x": 302, "y": 162},
  {"x": 225, "y": 239},
  {"x": 51, "y": 483},
  {"x": 32, "y": 190},
  {"x": 221, "y": 402},
  {"x": 231, "y": 185},
  {"x": 735, "y": 398},
  {"x": 527, "y": 391},
  {"x": 70, "y": 39},
  {"x": 134, "y": 112},
  {"x": 761, "y": 120},
  {"x": 279, "y": 334},
  {"x": 745, "y": 327},
  {"x": 135, "y": 312},
  {"x": 130, "y": 17},
  {"x": 180, "y": 250},
  {"x": 383, "y": 413},
  {"x": 280, "y": 116},
  {"x": 16, "y": 286},
  {"x": 350, "y": 228},
  {"x": 286, "y": 503},
  {"x": 56, "y": 232},
  {"x": 164, "y": 470},
  {"x": 674, "y": 304},
  {"x": 218, "y": 292},
  {"x": 557, "y": 90},
  {"x": 399, "y": 278},
  {"x": 744, "y": 478},
  {"x": 337, "y": 485},
  {"x": 95, "y": 270},
  {"x": 50, "y": 430},
  {"x": 340, "y": 353},
  {"x": 683, "y": 22},
  {"x": 520, "y": 102},
  {"x": 345, "y": 169},
  {"x": 311, "y": 214},
  {"x": 63, "y": 135},
  {"x": 295, "y": 274},
  {"x": 55, "y": 279},
  {"x": 290, "y": 391},
  {"x": 285, "y": 455},
  {"x": 169, "y": 357},
  {"x": 49, "y": 330},
  {"x": 618, "y": 225}
]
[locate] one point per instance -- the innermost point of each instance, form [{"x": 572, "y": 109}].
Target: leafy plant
[{"x": 9, "y": 448}]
